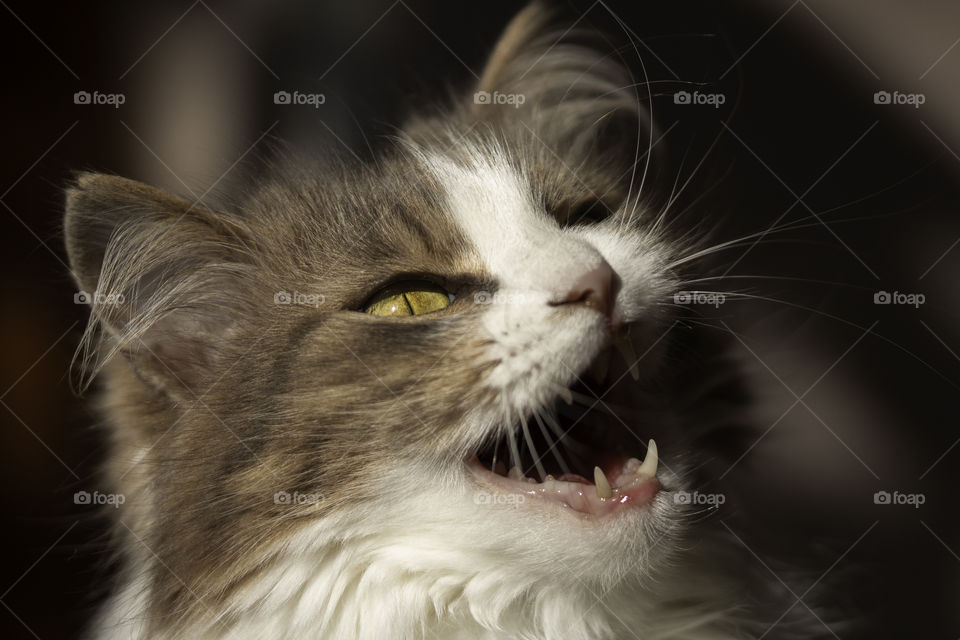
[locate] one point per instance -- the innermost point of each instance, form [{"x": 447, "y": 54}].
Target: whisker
[
  {"x": 806, "y": 222},
  {"x": 742, "y": 242},
  {"x": 689, "y": 179},
  {"x": 850, "y": 323},
  {"x": 573, "y": 445},
  {"x": 553, "y": 445},
  {"x": 768, "y": 277},
  {"x": 595, "y": 403},
  {"x": 514, "y": 451},
  {"x": 659, "y": 219},
  {"x": 533, "y": 449},
  {"x": 702, "y": 194},
  {"x": 648, "y": 116}
]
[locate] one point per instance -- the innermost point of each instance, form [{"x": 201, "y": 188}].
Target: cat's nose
[{"x": 594, "y": 288}]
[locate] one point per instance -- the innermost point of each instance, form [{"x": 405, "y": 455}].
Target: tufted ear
[
  {"x": 558, "y": 83},
  {"x": 164, "y": 278}
]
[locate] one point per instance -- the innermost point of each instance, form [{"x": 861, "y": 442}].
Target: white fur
[
  {"x": 536, "y": 262},
  {"x": 427, "y": 562}
]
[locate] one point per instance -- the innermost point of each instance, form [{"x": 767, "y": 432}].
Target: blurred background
[{"x": 837, "y": 119}]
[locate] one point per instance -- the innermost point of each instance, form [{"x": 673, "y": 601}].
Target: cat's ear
[
  {"x": 164, "y": 278},
  {"x": 564, "y": 85}
]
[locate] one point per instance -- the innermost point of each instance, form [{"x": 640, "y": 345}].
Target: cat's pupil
[{"x": 408, "y": 298}]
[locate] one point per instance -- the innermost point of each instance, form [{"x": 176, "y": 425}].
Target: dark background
[{"x": 799, "y": 80}]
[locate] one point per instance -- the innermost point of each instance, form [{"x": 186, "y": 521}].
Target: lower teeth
[{"x": 633, "y": 471}]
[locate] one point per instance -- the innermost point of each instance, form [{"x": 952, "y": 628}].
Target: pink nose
[{"x": 594, "y": 289}]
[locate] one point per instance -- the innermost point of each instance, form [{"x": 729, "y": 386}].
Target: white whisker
[
  {"x": 570, "y": 443},
  {"x": 533, "y": 449},
  {"x": 553, "y": 445}
]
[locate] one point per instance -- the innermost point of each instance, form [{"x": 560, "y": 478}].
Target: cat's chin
[{"x": 618, "y": 485}]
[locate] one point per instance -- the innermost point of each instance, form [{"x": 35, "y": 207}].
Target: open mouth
[{"x": 579, "y": 452}]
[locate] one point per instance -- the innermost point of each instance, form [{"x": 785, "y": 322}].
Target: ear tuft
[
  {"x": 164, "y": 277},
  {"x": 519, "y": 39},
  {"x": 97, "y": 205},
  {"x": 556, "y": 82}
]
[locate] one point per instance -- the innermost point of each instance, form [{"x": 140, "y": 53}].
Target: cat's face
[
  {"x": 396, "y": 420},
  {"x": 268, "y": 424}
]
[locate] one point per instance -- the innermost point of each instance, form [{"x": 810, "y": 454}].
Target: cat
[{"x": 447, "y": 393}]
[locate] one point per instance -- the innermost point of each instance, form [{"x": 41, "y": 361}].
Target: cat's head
[{"x": 322, "y": 382}]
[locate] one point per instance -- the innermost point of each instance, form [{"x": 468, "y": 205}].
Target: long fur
[{"x": 219, "y": 399}]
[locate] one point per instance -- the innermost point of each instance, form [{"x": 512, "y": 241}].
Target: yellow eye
[{"x": 410, "y": 298}]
